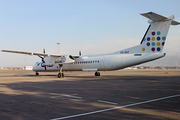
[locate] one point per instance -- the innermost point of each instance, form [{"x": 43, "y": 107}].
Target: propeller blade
[{"x": 42, "y": 58}]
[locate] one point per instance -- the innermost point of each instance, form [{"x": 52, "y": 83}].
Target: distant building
[{"x": 28, "y": 67}]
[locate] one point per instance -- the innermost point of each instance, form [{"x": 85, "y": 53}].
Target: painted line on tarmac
[
  {"x": 71, "y": 96},
  {"x": 109, "y": 109},
  {"x": 107, "y": 102}
]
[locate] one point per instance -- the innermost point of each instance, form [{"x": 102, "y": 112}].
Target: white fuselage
[{"x": 106, "y": 62}]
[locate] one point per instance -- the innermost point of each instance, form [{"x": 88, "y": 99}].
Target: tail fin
[{"x": 155, "y": 36}]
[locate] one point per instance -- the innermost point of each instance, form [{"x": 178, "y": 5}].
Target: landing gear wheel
[
  {"x": 61, "y": 75},
  {"x": 36, "y": 73},
  {"x": 97, "y": 73}
]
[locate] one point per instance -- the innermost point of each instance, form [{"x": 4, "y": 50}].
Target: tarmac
[{"x": 115, "y": 95}]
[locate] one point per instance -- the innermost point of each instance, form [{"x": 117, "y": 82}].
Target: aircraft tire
[
  {"x": 97, "y": 73},
  {"x": 36, "y": 73},
  {"x": 60, "y": 75}
]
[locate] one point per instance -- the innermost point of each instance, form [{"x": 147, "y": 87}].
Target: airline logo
[
  {"x": 155, "y": 42},
  {"x": 63, "y": 59}
]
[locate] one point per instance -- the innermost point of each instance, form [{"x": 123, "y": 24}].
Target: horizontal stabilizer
[
  {"x": 158, "y": 18},
  {"x": 175, "y": 23}
]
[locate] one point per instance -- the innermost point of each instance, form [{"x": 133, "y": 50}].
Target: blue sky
[{"x": 92, "y": 26}]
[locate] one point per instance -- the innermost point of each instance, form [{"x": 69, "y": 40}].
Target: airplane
[{"x": 149, "y": 49}]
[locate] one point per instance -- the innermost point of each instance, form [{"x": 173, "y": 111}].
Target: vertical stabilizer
[{"x": 155, "y": 36}]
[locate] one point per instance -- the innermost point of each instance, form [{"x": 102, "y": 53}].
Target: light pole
[
  {"x": 58, "y": 47},
  {"x": 25, "y": 63}
]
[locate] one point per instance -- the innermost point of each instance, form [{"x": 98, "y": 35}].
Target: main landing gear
[
  {"x": 97, "y": 73},
  {"x": 60, "y": 74}
]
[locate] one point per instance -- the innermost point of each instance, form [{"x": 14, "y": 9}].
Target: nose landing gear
[{"x": 60, "y": 74}]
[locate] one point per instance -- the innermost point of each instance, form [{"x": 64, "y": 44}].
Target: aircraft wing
[{"x": 30, "y": 53}]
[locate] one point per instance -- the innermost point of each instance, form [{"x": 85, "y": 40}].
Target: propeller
[
  {"x": 43, "y": 60},
  {"x": 79, "y": 53}
]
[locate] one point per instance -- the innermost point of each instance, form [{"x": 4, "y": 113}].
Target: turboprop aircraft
[{"x": 150, "y": 48}]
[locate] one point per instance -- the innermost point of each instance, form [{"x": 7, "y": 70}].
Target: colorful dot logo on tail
[
  {"x": 158, "y": 38},
  {"x": 163, "y": 43},
  {"x": 164, "y": 38},
  {"x": 153, "y": 43},
  {"x": 158, "y": 43},
  {"x": 153, "y": 38},
  {"x": 153, "y": 33},
  {"x": 148, "y": 44},
  {"x": 158, "y": 33},
  {"x": 143, "y": 49},
  {"x": 153, "y": 49},
  {"x": 158, "y": 49}
]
